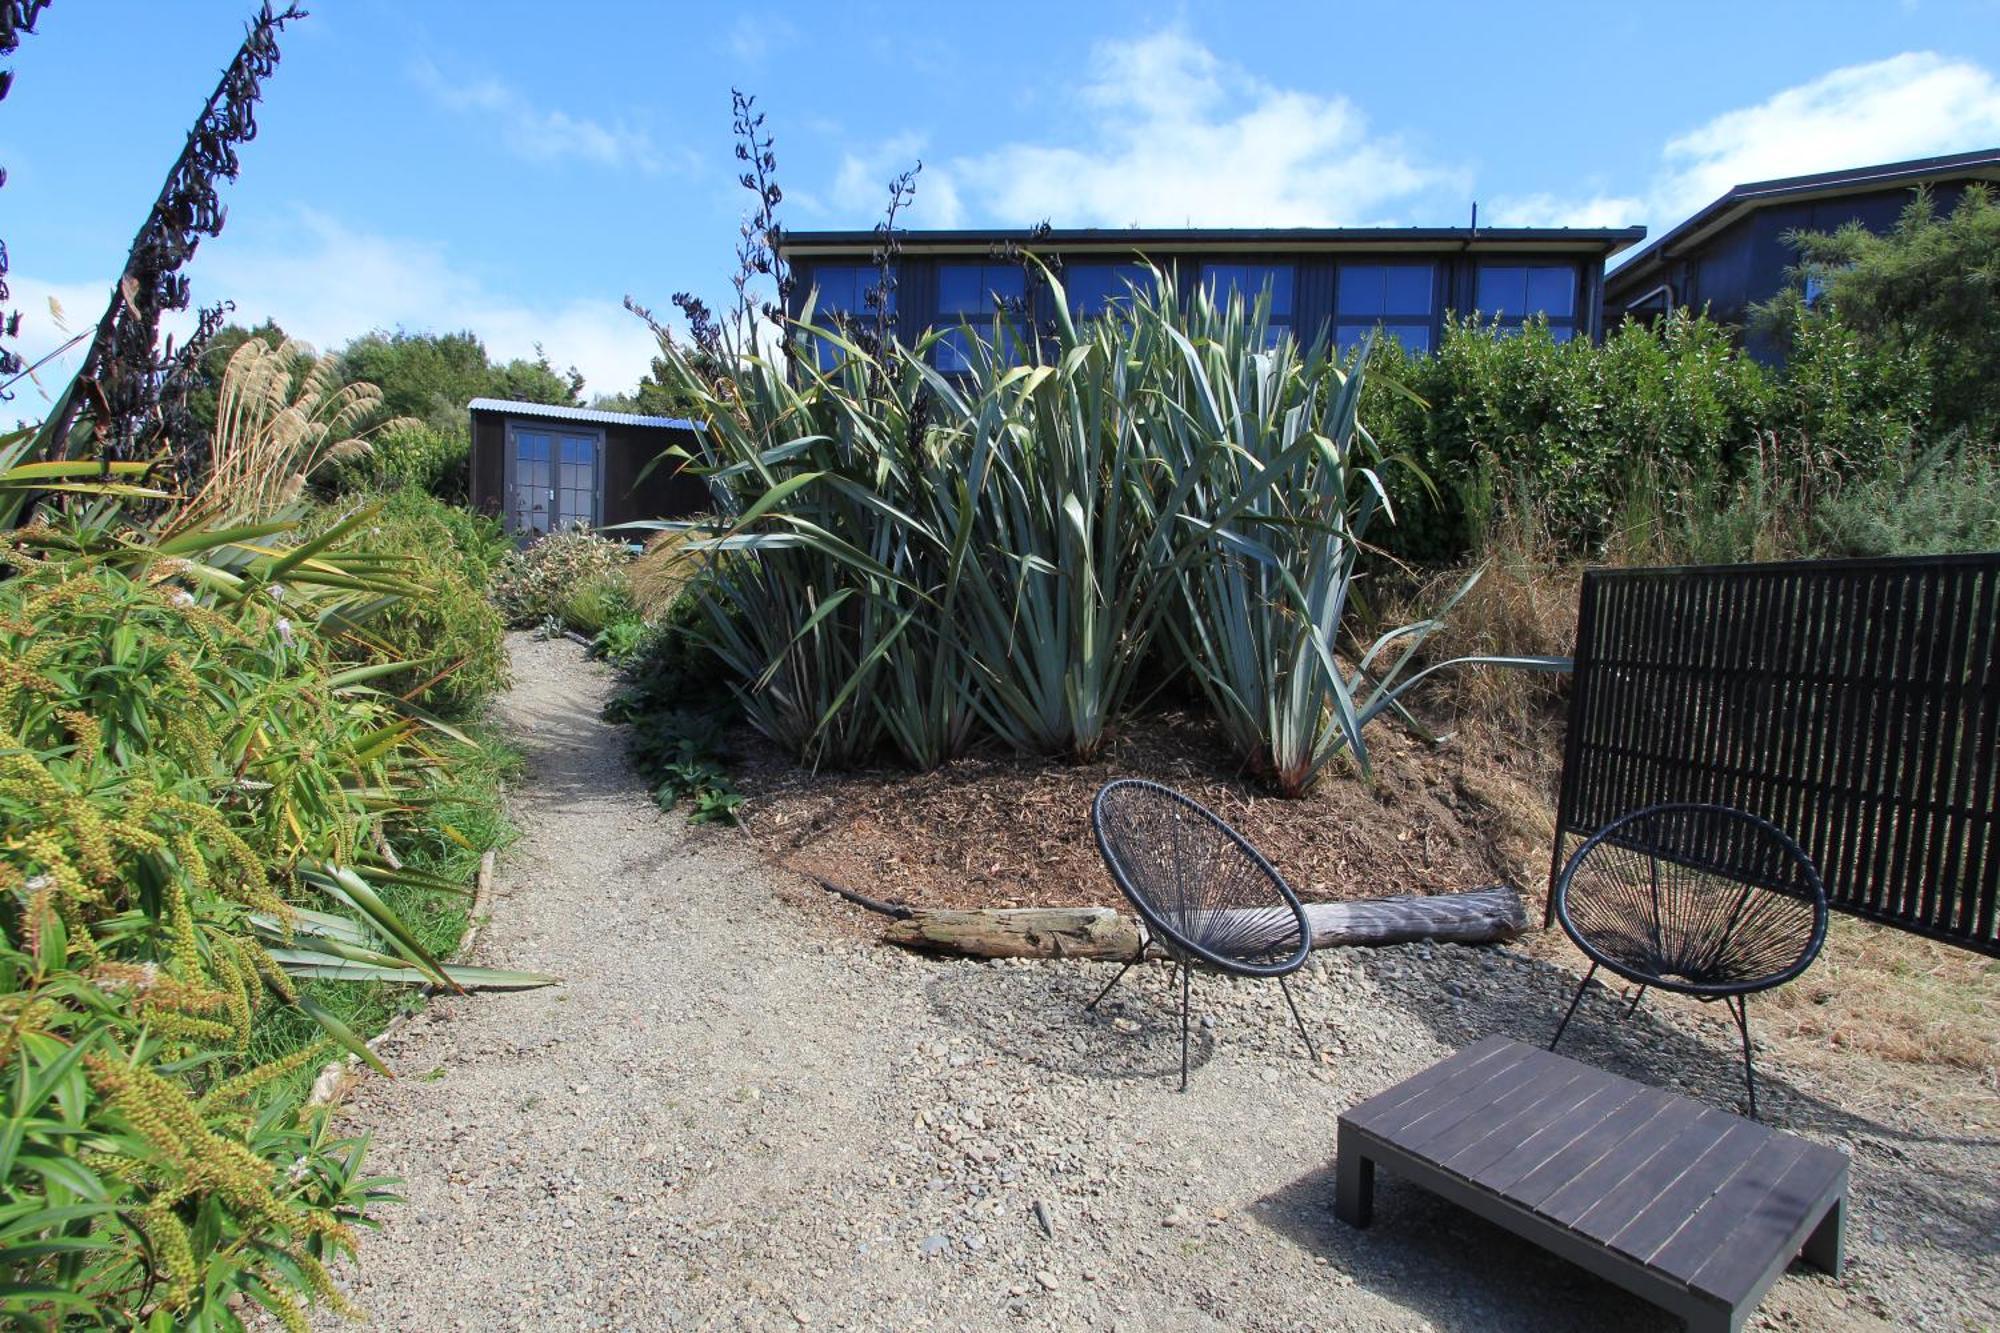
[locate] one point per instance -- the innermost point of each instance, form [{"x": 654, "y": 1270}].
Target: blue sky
[{"x": 517, "y": 168}]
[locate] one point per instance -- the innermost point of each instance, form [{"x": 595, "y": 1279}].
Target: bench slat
[
  {"x": 1605, "y": 1101},
  {"x": 1364, "y": 1111},
  {"x": 1692, "y": 1207}
]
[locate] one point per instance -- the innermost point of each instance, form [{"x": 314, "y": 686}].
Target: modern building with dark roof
[
  {"x": 541, "y": 468},
  {"x": 1342, "y": 281},
  {"x": 1732, "y": 254}
]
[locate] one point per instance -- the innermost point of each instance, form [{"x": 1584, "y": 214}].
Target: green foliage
[
  {"x": 676, "y": 712},
  {"x": 446, "y": 629},
  {"x": 1947, "y": 500},
  {"x": 532, "y": 585},
  {"x": 410, "y": 455},
  {"x": 433, "y": 376},
  {"x": 1858, "y": 405},
  {"x": 199, "y": 805},
  {"x": 620, "y": 640},
  {"x": 599, "y": 601},
  {"x": 1929, "y": 288},
  {"x": 1561, "y": 424},
  {"x": 909, "y": 560}
]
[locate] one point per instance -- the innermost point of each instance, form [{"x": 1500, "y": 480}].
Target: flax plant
[{"x": 905, "y": 555}]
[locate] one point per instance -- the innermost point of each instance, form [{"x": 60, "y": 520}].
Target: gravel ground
[{"x": 733, "y": 1116}]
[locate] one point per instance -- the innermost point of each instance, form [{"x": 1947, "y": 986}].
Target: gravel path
[{"x": 733, "y": 1116}]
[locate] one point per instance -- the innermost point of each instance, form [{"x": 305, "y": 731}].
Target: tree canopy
[{"x": 1929, "y": 288}]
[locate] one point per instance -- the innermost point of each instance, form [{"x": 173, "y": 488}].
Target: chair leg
[
  {"x": 1633, "y": 1007},
  {"x": 1739, "y": 1009},
  {"x": 1574, "y": 1002},
  {"x": 1304, "y": 1035},
  {"x": 1184, "y": 1025},
  {"x": 1115, "y": 980}
]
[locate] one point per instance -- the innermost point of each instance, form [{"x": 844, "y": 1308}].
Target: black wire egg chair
[
  {"x": 1700, "y": 900},
  {"x": 1206, "y": 897}
]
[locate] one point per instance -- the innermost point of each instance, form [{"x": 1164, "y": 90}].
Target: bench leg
[
  {"x": 1354, "y": 1181},
  {"x": 1826, "y": 1248}
]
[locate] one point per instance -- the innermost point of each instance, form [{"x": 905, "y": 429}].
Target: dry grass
[
  {"x": 1519, "y": 606},
  {"x": 661, "y": 572},
  {"x": 1898, "y": 997}
]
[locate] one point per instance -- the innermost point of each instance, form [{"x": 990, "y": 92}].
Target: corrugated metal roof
[{"x": 588, "y": 415}]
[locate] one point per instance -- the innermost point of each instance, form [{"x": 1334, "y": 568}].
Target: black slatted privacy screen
[{"x": 1854, "y": 703}]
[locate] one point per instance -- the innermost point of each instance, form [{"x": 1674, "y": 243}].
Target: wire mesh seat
[
  {"x": 1700, "y": 900},
  {"x": 1207, "y": 898}
]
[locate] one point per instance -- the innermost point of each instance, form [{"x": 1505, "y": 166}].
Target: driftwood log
[{"x": 1479, "y": 916}]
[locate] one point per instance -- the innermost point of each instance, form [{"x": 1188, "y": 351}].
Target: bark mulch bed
[{"x": 995, "y": 830}]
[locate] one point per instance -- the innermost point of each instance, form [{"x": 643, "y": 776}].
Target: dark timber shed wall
[{"x": 666, "y": 492}]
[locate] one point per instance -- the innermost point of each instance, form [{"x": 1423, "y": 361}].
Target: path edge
[{"x": 339, "y": 1076}]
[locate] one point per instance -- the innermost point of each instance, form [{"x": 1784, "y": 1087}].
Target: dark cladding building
[
  {"x": 1340, "y": 281},
  {"x": 1732, "y": 254},
  {"x": 541, "y": 468}
]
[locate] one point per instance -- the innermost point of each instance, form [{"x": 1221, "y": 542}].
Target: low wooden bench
[{"x": 1689, "y": 1207}]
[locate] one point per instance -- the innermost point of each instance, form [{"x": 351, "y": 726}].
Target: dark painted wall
[
  {"x": 667, "y": 492},
  {"x": 1314, "y": 282},
  {"x": 1744, "y": 264},
  {"x": 489, "y": 463}
]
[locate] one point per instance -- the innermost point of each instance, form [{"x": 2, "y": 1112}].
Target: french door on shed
[{"x": 553, "y": 479}]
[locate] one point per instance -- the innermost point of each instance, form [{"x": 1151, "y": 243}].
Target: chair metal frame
[
  {"x": 1187, "y": 953},
  {"x": 1733, "y": 994}
]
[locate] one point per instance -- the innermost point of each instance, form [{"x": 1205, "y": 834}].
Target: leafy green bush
[
  {"x": 677, "y": 708},
  {"x": 1556, "y": 426},
  {"x": 1918, "y": 301},
  {"x": 597, "y": 602},
  {"x": 445, "y": 627},
  {"x": 531, "y": 585},
  {"x": 619, "y": 641},
  {"x": 183, "y": 769},
  {"x": 410, "y": 455}
]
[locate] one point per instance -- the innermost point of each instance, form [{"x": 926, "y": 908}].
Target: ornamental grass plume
[{"x": 281, "y": 414}]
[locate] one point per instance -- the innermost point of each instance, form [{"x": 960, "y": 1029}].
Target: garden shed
[{"x": 540, "y": 467}]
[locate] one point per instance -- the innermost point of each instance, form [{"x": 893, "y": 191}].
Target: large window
[
  {"x": 1096, "y": 288},
  {"x": 1251, "y": 281},
  {"x": 1399, "y": 299},
  {"x": 1512, "y": 294},
  {"x": 977, "y": 295},
  {"x": 846, "y": 290}
]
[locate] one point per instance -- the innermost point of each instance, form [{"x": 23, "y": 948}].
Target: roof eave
[{"x": 1604, "y": 241}]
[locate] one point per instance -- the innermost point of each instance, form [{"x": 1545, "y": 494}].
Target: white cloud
[
  {"x": 536, "y": 133},
  {"x": 1167, "y": 133},
  {"x": 329, "y": 283},
  {"x": 1551, "y": 210},
  {"x": 861, "y": 185},
  {"x": 1911, "y": 105},
  {"x": 752, "y": 39}
]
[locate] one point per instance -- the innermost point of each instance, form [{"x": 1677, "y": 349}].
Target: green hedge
[{"x": 1566, "y": 427}]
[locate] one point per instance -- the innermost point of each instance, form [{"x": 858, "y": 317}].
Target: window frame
[
  {"x": 1386, "y": 319},
  {"x": 823, "y": 312},
  {"x": 1123, "y": 270},
  {"x": 1277, "y": 323},
  {"x": 1017, "y": 326},
  {"x": 1563, "y": 328},
  {"x": 555, "y": 432}
]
